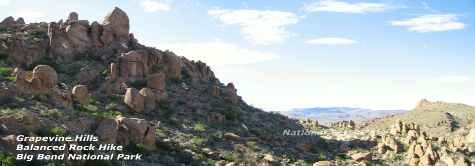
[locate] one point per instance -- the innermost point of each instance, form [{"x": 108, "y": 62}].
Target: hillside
[
  {"x": 327, "y": 115},
  {"x": 75, "y": 77},
  {"x": 441, "y": 118}
]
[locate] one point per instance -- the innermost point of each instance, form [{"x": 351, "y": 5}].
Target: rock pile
[
  {"x": 420, "y": 145},
  {"x": 310, "y": 124},
  {"x": 125, "y": 130},
  {"x": 350, "y": 124}
]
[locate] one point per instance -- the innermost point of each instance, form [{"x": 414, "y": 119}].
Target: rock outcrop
[{"x": 81, "y": 93}]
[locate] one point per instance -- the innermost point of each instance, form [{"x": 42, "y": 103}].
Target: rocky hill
[
  {"x": 441, "y": 118},
  {"x": 75, "y": 77}
]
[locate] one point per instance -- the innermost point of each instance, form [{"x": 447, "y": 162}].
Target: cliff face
[{"x": 75, "y": 77}]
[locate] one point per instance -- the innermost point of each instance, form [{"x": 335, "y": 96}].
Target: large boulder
[
  {"x": 230, "y": 94},
  {"x": 107, "y": 131},
  {"x": 78, "y": 37},
  {"x": 81, "y": 93},
  {"x": 134, "y": 100},
  {"x": 470, "y": 138},
  {"x": 150, "y": 99},
  {"x": 157, "y": 81},
  {"x": 137, "y": 131},
  {"x": 115, "y": 27},
  {"x": 44, "y": 78},
  {"x": 173, "y": 65},
  {"x": 361, "y": 156}
]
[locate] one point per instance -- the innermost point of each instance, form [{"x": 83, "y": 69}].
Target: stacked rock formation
[
  {"x": 420, "y": 146},
  {"x": 350, "y": 124}
]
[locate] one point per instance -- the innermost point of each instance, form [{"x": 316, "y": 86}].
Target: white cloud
[
  {"x": 218, "y": 53},
  {"x": 431, "y": 23},
  {"x": 31, "y": 15},
  {"x": 155, "y": 6},
  {"x": 332, "y": 41},
  {"x": 454, "y": 79},
  {"x": 344, "y": 7},
  {"x": 262, "y": 27},
  {"x": 5, "y": 2}
]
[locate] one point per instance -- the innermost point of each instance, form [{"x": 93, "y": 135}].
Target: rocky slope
[
  {"x": 441, "y": 118},
  {"x": 78, "y": 77}
]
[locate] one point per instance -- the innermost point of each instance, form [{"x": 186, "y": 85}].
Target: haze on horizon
[{"x": 377, "y": 54}]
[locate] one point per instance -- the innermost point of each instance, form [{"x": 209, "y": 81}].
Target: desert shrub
[
  {"x": 58, "y": 131},
  {"x": 6, "y": 159},
  {"x": 232, "y": 114},
  {"x": 3, "y": 29},
  {"x": 198, "y": 141},
  {"x": 200, "y": 127},
  {"x": 11, "y": 79},
  {"x": 252, "y": 145},
  {"x": 160, "y": 132},
  {"x": 5, "y": 71},
  {"x": 52, "y": 113},
  {"x": 135, "y": 148},
  {"x": 38, "y": 34}
]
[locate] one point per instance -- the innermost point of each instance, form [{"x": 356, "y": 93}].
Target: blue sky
[{"x": 379, "y": 54}]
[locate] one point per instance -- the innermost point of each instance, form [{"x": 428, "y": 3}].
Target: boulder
[
  {"x": 230, "y": 93},
  {"x": 44, "y": 78},
  {"x": 231, "y": 137},
  {"x": 150, "y": 139},
  {"x": 470, "y": 138},
  {"x": 150, "y": 99},
  {"x": 115, "y": 27},
  {"x": 268, "y": 157},
  {"x": 361, "y": 156},
  {"x": 20, "y": 21},
  {"x": 137, "y": 131},
  {"x": 215, "y": 91},
  {"x": 323, "y": 163},
  {"x": 73, "y": 17},
  {"x": 173, "y": 65},
  {"x": 107, "y": 131},
  {"x": 96, "y": 30},
  {"x": 114, "y": 71},
  {"x": 418, "y": 150},
  {"x": 78, "y": 37},
  {"x": 134, "y": 100},
  {"x": 157, "y": 81},
  {"x": 81, "y": 93},
  {"x": 9, "y": 143},
  {"x": 462, "y": 162}
]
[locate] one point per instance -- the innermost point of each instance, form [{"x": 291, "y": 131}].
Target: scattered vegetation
[{"x": 200, "y": 127}]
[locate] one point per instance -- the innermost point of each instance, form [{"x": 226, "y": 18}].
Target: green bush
[
  {"x": 200, "y": 127},
  {"x": 5, "y": 71},
  {"x": 135, "y": 148},
  {"x": 198, "y": 141},
  {"x": 58, "y": 131},
  {"x": 11, "y": 79},
  {"x": 52, "y": 113},
  {"x": 232, "y": 114},
  {"x": 6, "y": 159},
  {"x": 38, "y": 34},
  {"x": 160, "y": 132}
]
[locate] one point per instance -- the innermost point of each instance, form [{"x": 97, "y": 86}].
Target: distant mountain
[
  {"x": 326, "y": 115},
  {"x": 438, "y": 117}
]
